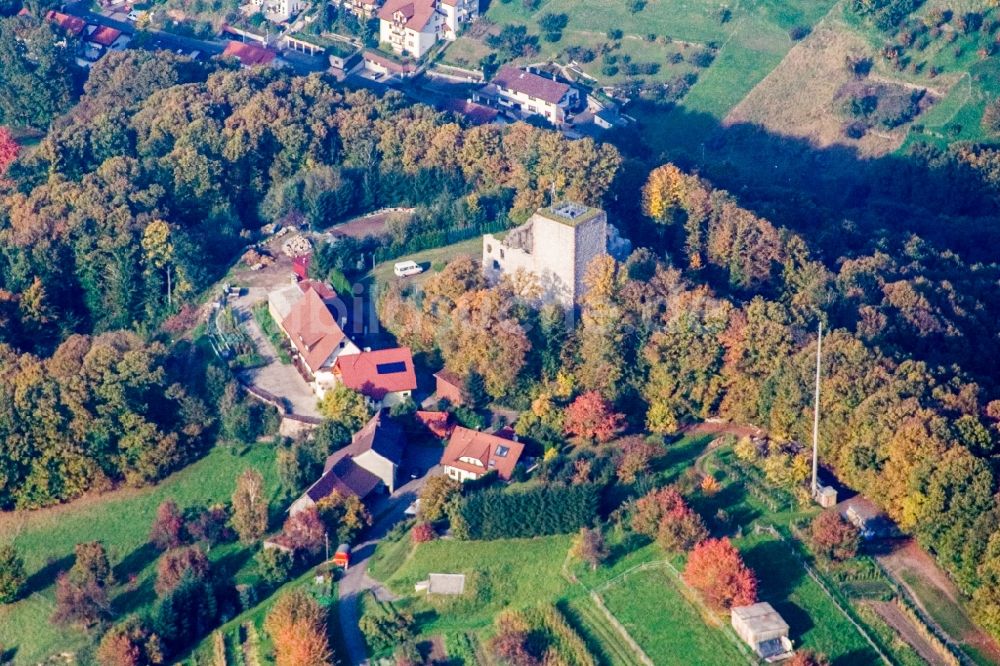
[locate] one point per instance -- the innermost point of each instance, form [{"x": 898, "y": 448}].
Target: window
[
  {"x": 501, "y": 254},
  {"x": 502, "y": 451},
  {"x": 496, "y": 265},
  {"x": 489, "y": 248}
]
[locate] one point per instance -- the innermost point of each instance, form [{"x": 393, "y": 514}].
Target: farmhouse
[
  {"x": 471, "y": 454},
  {"x": 557, "y": 245},
  {"x": 369, "y": 462},
  {"x": 385, "y": 377},
  {"x": 763, "y": 630},
  {"x": 412, "y": 27},
  {"x": 525, "y": 94},
  {"x": 317, "y": 339}
]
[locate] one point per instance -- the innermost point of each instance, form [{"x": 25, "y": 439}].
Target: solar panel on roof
[{"x": 390, "y": 368}]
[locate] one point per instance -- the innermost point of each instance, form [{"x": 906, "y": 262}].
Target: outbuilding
[{"x": 763, "y": 629}]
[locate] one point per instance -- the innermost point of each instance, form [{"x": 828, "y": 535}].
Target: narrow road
[{"x": 356, "y": 580}]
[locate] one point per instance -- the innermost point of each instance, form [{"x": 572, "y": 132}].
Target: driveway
[
  {"x": 275, "y": 377},
  {"x": 356, "y": 580}
]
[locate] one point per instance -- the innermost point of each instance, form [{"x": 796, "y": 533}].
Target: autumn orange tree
[
  {"x": 716, "y": 569},
  {"x": 297, "y": 626},
  {"x": 591, "y": 417},
  {"x": 664, "y": 515},
  {"x": 9, "y": 150}
]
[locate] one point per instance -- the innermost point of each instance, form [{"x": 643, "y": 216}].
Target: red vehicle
[{"x": 342, "y": 558}]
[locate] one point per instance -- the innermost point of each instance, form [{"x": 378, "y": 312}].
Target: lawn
[
  {"x": 668, "y": 627},
  {"x": 121, "y": 520},
  {"x": 814, "y": 620},
  {"x": 428, "y": 259}
]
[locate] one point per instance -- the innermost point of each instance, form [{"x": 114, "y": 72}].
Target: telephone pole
[{"x": 819, "y": 351}]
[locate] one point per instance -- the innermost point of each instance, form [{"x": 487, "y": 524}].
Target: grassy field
[
  {"x": 121, "y": 520},
  {"x": 382, "y": 273},
  {"x": 668, "y": 627}
]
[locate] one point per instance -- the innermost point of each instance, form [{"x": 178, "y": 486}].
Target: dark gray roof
[
  {"x": 345, "y": 477},
  {"x": 381, "y": 434}
]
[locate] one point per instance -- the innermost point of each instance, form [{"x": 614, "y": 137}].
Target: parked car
[
  {"x": 133, "y": 16},
  {"x": 407, "y": 268}
]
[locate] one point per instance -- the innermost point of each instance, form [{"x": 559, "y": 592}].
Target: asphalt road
[{"x": 356, "y": 580}]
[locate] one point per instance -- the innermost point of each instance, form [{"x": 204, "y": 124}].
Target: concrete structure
[
  {"x": 471, "y": 454},
  {"x": 557, "y": 245},
  {"x": 412, "y": 27},
  {"x": 438, "y": 583},
  {"x": 370, "y": 461},
  {"x": 763, "y": 630},
  {"x": 525, "y": 93}
]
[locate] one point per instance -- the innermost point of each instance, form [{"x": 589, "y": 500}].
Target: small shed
[
  {"x": 439, "y": 583},
  {"x": 763, "y": 629},
  {"x": 826, "y": 496},
  {"x": 869, "y": 519},
  {"x": 342, "y": 558}
]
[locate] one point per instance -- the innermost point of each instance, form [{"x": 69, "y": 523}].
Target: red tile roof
[
  {"x": 300, "y": 265},
  {"x": 438, "y": 423},
  {"x": 313, "y": 330},
  {"x": 518, "y": 80},
  {"x": 249, "y": 54},
  {"x": 105, "y": 36},
  {"x": 377, "y": 373},
  {"x": 416, "y": 13},
  {"x": 324, "y": 290},
  {"x": 71, "y": 24},
  {"x": 479, "y": 114},
  {"x": 493, "y": 453}
]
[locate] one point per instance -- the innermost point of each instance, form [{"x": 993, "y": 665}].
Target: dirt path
[
  {"x": 910, "y": 558},
  {"x": 898, "y": 620}
]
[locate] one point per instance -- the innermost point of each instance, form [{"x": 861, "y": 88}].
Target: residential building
[
  {"x": 763, "y": 629},
  {"x": 71, "y": 25},
  {"x": 412, "y": 27},
  {"x": 280, "y": 11},
  {"x": 369, "y": 462},
  {"x": 281, "y": 301},
  {"x": 557, "y": 245},
  {"x": 249, "y": 55},
  {"x": 317, "y": 340},
  {"x": 106, "y": 36},
  {"x": 525, "y": 93},
  {"x": 471, "y": 454},
  {"x": 363, "y": 9},
  {"x": 385, "y": 377}
]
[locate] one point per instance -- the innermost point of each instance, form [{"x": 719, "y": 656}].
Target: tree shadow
[
  {"x": 135, "y": 597},
  {"x": 136, "y": 561},
  {"x": 46, "y": 576},
  {"x": 227, "y": 566},
  {"x": 855, "y": 657},
  {"x": 777, "y": 571}
]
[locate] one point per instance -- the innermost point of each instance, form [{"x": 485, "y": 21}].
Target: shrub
[
  {"x": 799, "y": 32},
  {"x": 832, "y": 537},
  {"x": 589, "y": 547},
  {"x": 12, "y": 575},
  {"x": 175, "y": 564},
  {"x": 716, "y": 569},
  {"x": 305, "y": 532},
  {"x": 167, "y": 530},
  {"x": 273, "y": 565},
  {"x": 385, "y": 627},
  {"x": 808, "y": 658},
  {"x": 422, "y": 533}
]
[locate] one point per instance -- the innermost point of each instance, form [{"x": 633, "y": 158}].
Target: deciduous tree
[
  {"x": 249, "y": 506},
  {"x": 176, "y": 564},
  {"x": 833, "y": 537},
  {"x": 589, "y": 547},
  {"x": 716, "y": 569},
  {"x": 168, "y": 526},
  {"x": 297, "y": 626},
  {"x": 591, "y": 417}
]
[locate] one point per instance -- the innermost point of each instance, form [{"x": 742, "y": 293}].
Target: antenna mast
[{"x": 819, "y": 352}]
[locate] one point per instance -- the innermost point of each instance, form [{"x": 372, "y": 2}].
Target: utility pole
[
  {"x": 819, "y": 351},
  {"x": 326, "y": 537}
]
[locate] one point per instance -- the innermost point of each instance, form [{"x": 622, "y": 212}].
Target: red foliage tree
[
  {"x": 80, "y": 602},
  {"x": 422, "y": 533},
  {"x": 176, "y": 563},
  {"x": 650, "y": 509},
  {"x": 833, "y": 537},
  {"x": 591, "y": 417},
  {"x": 635, "y": 458},
  {"x": 717, "y": 571},
  {"x": 9, "y": 150},
  {"x": 305, "y": 531},
  {"x": 167, "y": 530}
]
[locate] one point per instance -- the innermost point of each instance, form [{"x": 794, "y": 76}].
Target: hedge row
[{"x": 497, "y": 513}]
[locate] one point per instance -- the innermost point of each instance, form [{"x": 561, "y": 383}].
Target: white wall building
[
  {"x": 412, "y": 27},
  {"x": 528, "y": 94}
]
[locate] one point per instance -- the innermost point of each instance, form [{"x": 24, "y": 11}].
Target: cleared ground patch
[{"x": 800, "y": 97}]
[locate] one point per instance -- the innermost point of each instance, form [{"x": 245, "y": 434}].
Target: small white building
[{"x": 763, "y": 629}]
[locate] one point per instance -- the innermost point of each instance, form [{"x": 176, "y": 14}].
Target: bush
[
  {"x": 385, "y": 627},
  {"x": 12, "y": 575},
  {"x": 422, "y": 533},
  {"x": 177, "y": 564},
  {"x": 799, "y": 32},
  {"x": 273, "y": 565}
]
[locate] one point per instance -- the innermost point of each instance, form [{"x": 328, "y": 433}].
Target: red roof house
[
  {"x": 314, "y": 331},
  {"x": 385, "y": 376},
  {"x": 105, "y": 36},
  {"x": 249, "y": 55},
  {"x": 471, "y": 454},
  {"x": 73, "y": 25},
  {"x": 449, "y": 386}
]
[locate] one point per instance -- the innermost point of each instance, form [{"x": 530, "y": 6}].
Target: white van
[{"x": 406, "y": 268}]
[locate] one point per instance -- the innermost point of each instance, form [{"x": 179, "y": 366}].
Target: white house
[
  {"x": 317, "y": 340},
  {"x": 412, "y": 27},
  {"x": 527, "y": 94}
]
